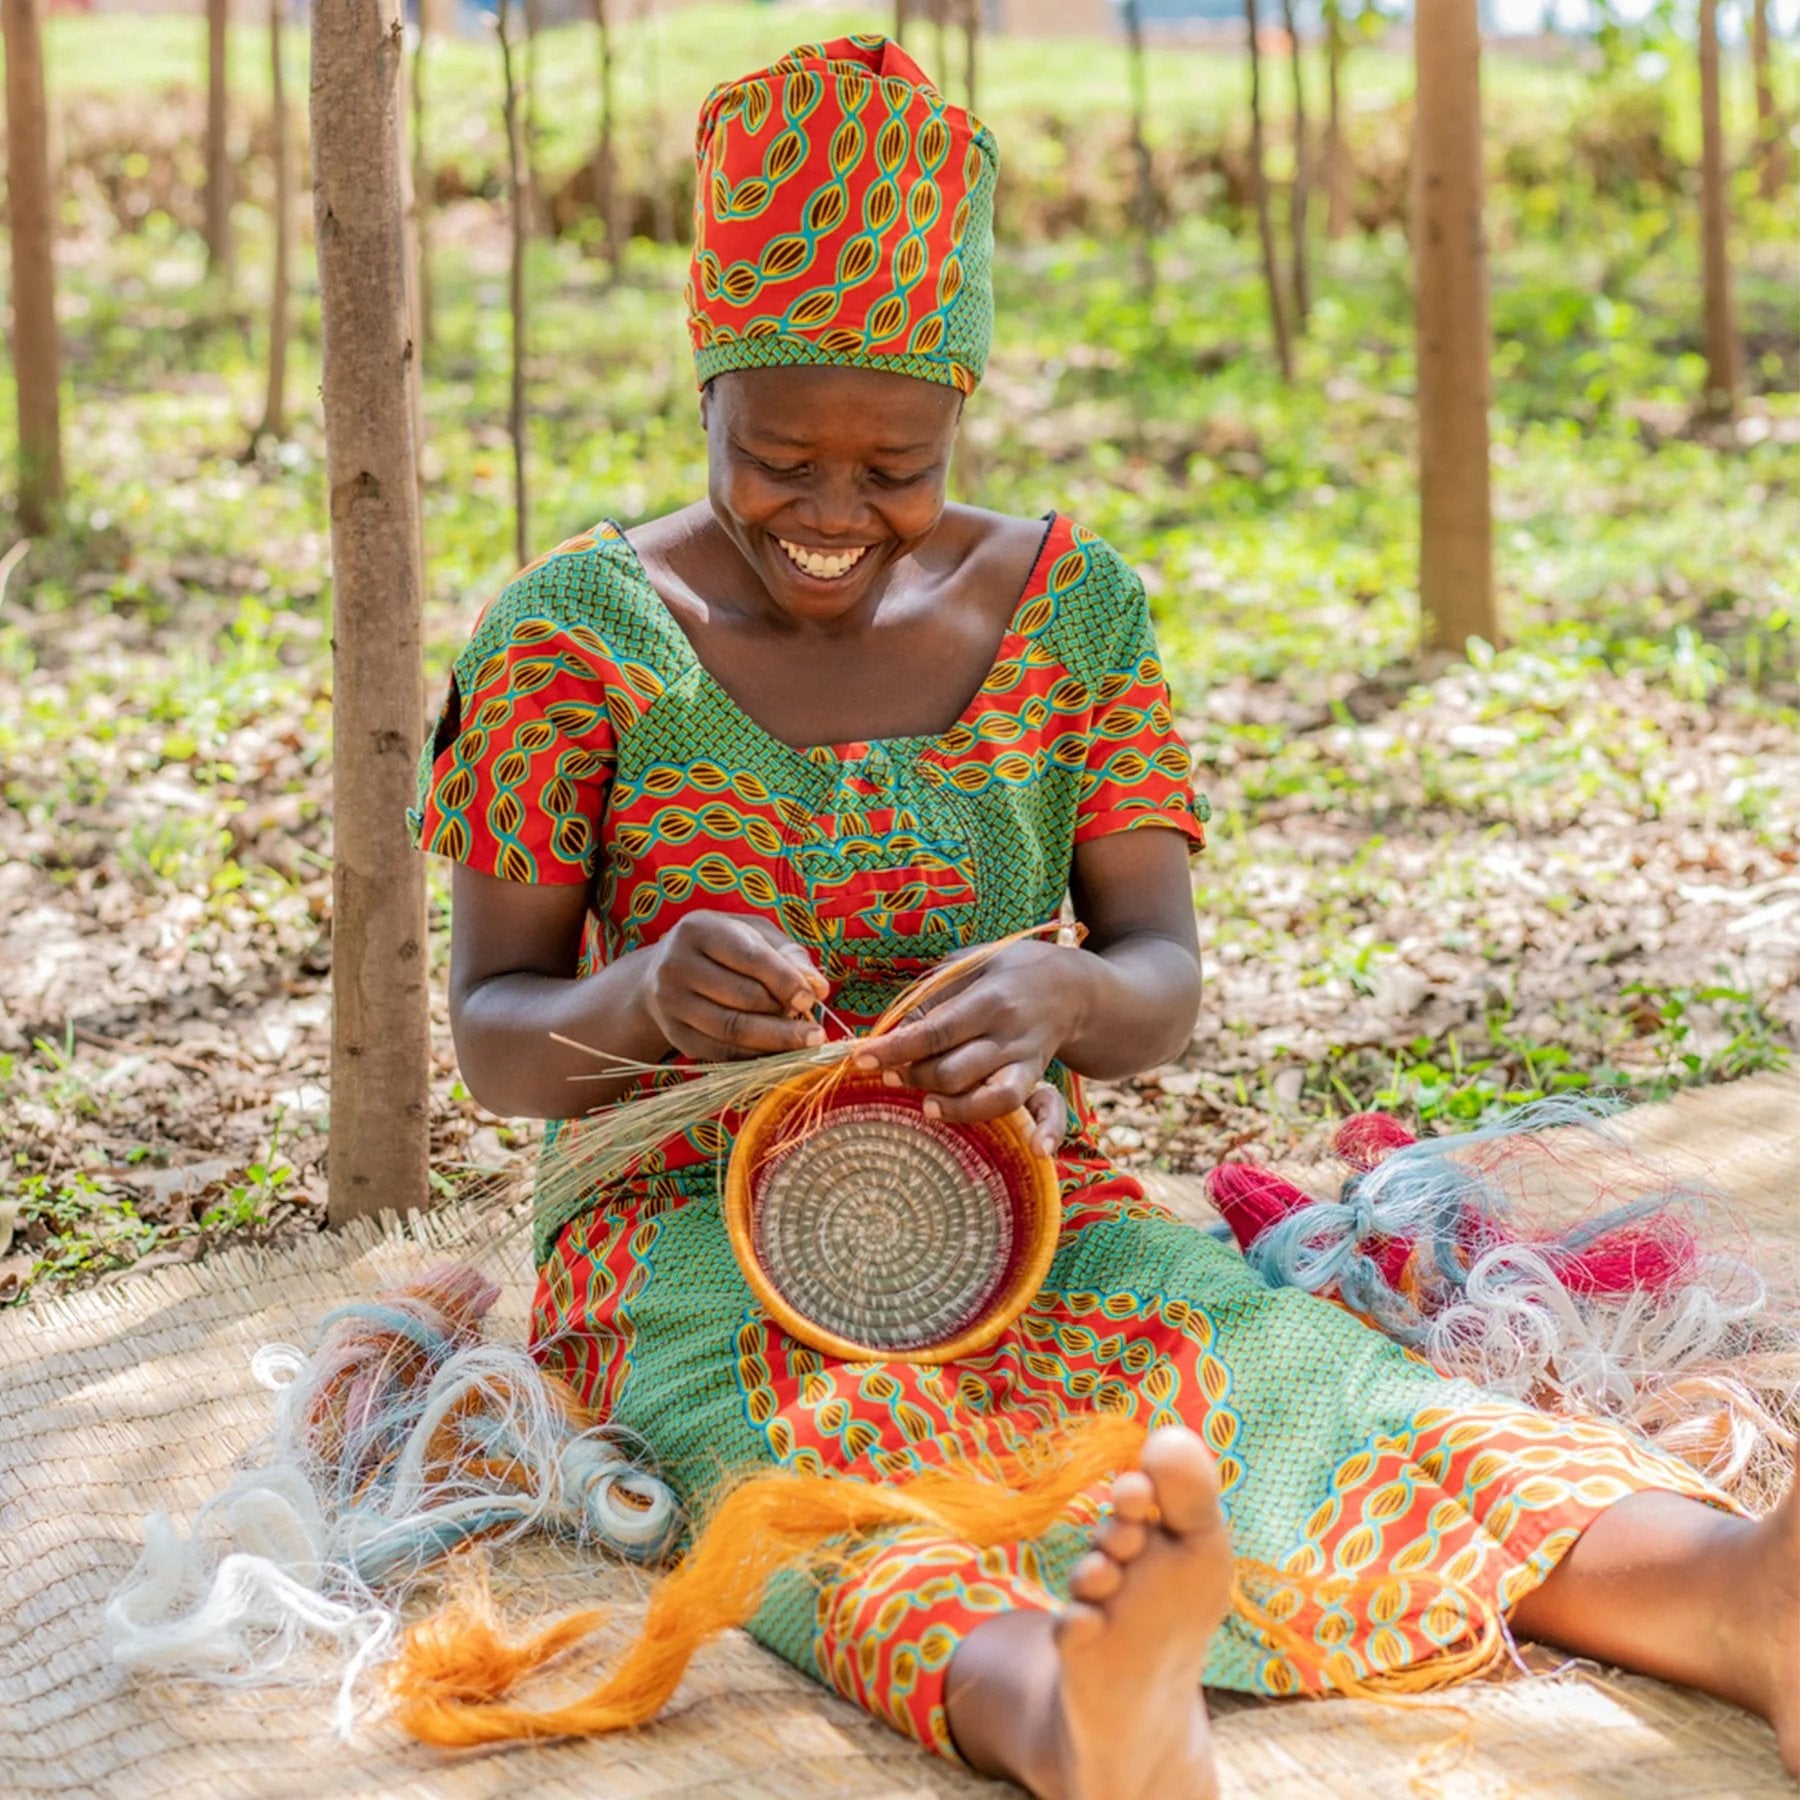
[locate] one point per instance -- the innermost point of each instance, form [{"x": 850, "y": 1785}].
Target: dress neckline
[{"x": 860, "y": 749}]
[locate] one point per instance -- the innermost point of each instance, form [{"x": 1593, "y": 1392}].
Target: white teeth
[{"x": 817, "y": 563}]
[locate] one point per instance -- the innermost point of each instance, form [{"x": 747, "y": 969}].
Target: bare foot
[{"x": 1129, "y": 1720}]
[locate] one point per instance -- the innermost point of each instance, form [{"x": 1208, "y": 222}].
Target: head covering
[{"x": 843, "y": 214}]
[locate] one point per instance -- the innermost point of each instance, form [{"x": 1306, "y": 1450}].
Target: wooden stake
[
  {"x": 1771, "y": 140},
  {"x": 1300, "y": 195},
  {"x": 1456, "y": 558},
  {"x": 662, "y": 198},
  {"x": 218, "y": 145},
  {"x": 31, "y": 212},
  {"x": 1724, "y": 349},
  {"x": 380, "y": 1049},
  {"x": 1265, "y": 223},
  {"x": 421, "y": 192},
  {"x": 518, "y": 198},
  {"x": 971, "y": 49},
  {"x": 610, "y": 191},
  {"x": 281, "y": 281},
  {"x": 1144, "y": 184},
  {"x": 1338, "y": 175}
]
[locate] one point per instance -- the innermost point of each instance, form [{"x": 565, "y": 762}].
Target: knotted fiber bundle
[{"x": 1543, "y": 1258}]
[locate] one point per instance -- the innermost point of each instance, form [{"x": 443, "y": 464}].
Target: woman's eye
[
  {"x": 889, "y": 479},
  {"x": 781, "y": 471}
]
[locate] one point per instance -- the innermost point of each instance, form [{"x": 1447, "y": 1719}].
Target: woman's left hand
[{"x": 980, "y": 1049}]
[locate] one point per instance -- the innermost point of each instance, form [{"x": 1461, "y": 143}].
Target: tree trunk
[
  {"x": 610, "y": 190},
  {"x": 421, "y": 193},
  {"x": 274, "y": 419},
  {"x": 218, "y": 145},
  {"x": 380, "y": 1049},
  {"x": 900, "y": 12},
  {"x": 31, "y": 211},
  {"x": 1300, "y": 198},
  {"x": 1144, "y": 185},
  {"x": 971, "y": 48},
  {"x": 662, "y": 197},
  {"x": 1265, "y": 223},
  {"x": 940, "y": 26},
  {"x": 517, "y": 199},
  {"x": 534, "y": 132},
  {"x": 1724, "y": 352},
  {"x": 1771, "y": 141},
  {"x": 1338, "y": 176},
  {"x": 1456, "y": 558}
]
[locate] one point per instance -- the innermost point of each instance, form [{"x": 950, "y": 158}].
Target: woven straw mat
[{"x": 138, "y": 1395}]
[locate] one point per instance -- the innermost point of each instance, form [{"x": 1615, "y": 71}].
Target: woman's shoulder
[
  {"x": 1081, "y": 602},
  {"x": 591, "y": 591}
]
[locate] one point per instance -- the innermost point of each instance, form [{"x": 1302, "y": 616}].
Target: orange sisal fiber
[{"x": 454, "y": 1669}]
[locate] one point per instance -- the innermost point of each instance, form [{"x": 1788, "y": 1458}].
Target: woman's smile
[{"x": 823, "y": 564}]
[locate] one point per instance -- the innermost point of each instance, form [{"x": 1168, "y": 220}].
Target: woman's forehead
[{"x": 805, "y": 405}]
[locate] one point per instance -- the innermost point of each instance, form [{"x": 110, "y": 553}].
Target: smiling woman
[{"x": 729, "y": 778}]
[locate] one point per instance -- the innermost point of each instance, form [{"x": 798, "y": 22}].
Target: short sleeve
[
  {"x": 513, "y": 782},
  {"x": 1139, "y": 770}
]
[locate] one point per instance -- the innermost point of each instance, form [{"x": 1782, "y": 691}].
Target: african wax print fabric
[
  {"x": 583, "y": 741},
  {"x": 843, "y": 214}
]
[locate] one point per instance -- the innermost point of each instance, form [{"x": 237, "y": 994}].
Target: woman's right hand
[{"x": 725, "y": 985}]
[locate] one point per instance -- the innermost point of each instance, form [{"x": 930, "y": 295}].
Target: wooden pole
[
  {"x": 1456, "y": 558},
  {"x": 1724, "y": 350},
  {"x": 281, "y": 281},
  {"x": 1771, "y": 141},
  {"x": 662, "y": 198},
  {"x": 900, "y": 13},
  {"x": 1338, "y": 196},
  {"x": 380, "y": 1050},
  {"x": 610, "y": 190},
  {"x": 1299, "y": 196},
  {"x": 518, "y": 198},
  {"x": 218, "y": 143},
  {"x": 31, "y": 212},
  {"x": 1144, "y": 173},
  {"x": 1265, "y": 223},
  {"x": 971, "y": 49},
  {"x": 421, "y": 190}
]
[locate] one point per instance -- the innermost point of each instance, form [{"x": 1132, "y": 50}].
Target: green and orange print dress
[{"x": 583, "y": 742}]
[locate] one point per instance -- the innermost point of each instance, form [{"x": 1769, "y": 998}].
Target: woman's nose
[{"x": 834, "y": 503}]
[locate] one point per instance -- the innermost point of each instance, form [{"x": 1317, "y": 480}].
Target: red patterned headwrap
[{"x": 843, "y": 214}]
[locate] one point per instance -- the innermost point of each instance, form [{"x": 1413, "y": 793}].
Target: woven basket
[{"x": 875, "y": 1231}]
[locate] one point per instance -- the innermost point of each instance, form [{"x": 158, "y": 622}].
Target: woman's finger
[
  {"x": 927, "y": 1035},
  {"x": 736, "y": 993},
  {"x": 961, "y": 1072},
  {"x": 757, "y": 949},
  {"x": 736, "y": 1033},
  {"x": 1003, "y": 1092},
  {"x": 1049, "y": 1116}
]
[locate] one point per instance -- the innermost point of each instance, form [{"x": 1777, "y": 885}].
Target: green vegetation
[{"x": 1568, "y": 864}]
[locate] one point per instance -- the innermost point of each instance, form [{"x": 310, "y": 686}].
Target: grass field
[{"x": 1568, "y": 864}]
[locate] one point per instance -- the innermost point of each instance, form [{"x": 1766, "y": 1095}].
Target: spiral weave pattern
[{"x": 886, "y": 1227}]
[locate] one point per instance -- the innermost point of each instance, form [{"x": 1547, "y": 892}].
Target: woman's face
[{"x": 824, "y": 478}]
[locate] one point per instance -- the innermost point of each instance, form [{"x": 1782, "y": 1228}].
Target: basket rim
[{"x": 1042, "y": 1226}]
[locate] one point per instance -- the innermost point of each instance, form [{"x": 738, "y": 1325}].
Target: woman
[{"x": 809, "y": 736}]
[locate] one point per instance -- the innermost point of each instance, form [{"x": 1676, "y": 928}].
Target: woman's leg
[
  {"x": 1103, "y": 1701},
  {"x": 1667, "y": 1586}
]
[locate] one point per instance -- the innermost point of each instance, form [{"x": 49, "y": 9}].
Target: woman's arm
[
  {"x": 717, "y": 985},
  {"x": 1124, "y": 1003}
]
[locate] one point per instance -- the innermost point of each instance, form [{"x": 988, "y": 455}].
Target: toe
[
  {"x": 1181, "y": 1471},
  {"x": 1077, "y": 1626},
  {"x": 1134, "y": 1497},
  {"x": 1096, "y": 1578},
  {"x": 1122, "y": 1539}
]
